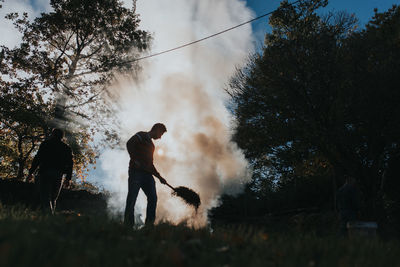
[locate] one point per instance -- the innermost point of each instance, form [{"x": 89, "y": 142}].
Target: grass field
[{"x": 28, "y": 238}]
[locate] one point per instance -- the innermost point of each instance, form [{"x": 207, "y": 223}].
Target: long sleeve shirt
[
  {"x": 349, "y": 198},
  {"x": 141, "y": 150},
  {"x": 53, "y": 154}
]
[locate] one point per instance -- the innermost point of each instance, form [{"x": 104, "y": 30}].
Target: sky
[{"x": 363, "y": 9}]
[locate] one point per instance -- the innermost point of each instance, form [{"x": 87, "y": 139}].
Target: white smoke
[{"x": 184, "y": 90}]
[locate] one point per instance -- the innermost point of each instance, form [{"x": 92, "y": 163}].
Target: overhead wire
[{"x": 210, "y": 36}]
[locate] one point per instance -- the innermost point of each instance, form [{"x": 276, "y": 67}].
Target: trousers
[
  {"x": 137, "y": 180},
  {"x": 50, "y": 182}
]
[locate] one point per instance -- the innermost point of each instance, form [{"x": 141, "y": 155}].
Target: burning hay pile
[{"x": 188, "y": 195}]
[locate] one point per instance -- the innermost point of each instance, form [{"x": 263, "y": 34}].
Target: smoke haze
[{"x": 183, "y": 90}]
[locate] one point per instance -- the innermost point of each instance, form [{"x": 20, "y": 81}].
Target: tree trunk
[
  {"x": 21, "y": 161},
  {"x": 21, "y": 167}
]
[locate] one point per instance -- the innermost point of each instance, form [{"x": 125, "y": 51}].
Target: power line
[{"x": 210, "y": 36}]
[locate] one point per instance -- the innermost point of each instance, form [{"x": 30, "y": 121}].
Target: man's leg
[
  {"x": 55, "y": 190},
  {"x": 44, "y": 191},
  {"x": 149, "y": 188},
  {"x": 133, "y": 190},
  {"x": 345, "y": 217}
]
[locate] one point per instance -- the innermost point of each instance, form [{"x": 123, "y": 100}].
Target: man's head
[
  {"x": 157, "y": 130},
  {"x": 57, "y": 134}
]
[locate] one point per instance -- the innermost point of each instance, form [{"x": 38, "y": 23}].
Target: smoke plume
[{"x": 184, "y": 90}]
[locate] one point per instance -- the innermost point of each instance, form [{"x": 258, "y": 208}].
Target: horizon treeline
[{"x": 319, "y": 102}]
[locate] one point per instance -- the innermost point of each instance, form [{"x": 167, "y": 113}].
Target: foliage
[
  {"x": 277, "y": 207},
  {"x": 321, "y": 99},
  {"x": 63, "y": 67},
  {"x": 22, "y": 125}
]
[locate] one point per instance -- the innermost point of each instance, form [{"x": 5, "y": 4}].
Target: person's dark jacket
[
  {"x": 349, "y": 198},
  {"x": 53, "y": 154}
]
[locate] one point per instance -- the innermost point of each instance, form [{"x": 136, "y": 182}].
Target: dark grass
[
  {"x": 188, "y": 195},
  {"x": 13, "y": 191},
  {"x": 28, "y": 238}
]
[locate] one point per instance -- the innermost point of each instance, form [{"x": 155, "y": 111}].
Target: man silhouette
[
  {"x": 348, "y": 202},
  {"x": 141, "y": 170},
  {"x": 54, "y": 158}
]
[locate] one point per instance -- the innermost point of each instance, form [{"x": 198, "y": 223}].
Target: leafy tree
[
  {"x": 65, "y": 63},
  {"x": 21, "y": 127},
  {"x": 320, "y": 98},
  {"x": 372, "y": 64}
]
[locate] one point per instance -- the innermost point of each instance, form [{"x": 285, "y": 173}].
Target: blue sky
[{"x": 363, "y": 9}]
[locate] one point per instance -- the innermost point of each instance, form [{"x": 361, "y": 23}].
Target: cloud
[{"x": 10, "y": 36}]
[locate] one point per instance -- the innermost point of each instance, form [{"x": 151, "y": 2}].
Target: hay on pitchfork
[{"x": 188, "y": 195}]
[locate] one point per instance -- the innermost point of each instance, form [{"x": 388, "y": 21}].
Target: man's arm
[
  {"x": 35, "y": 162},
  {"x": 133, "y": 144},
  {"x": 157, "y": 174},
  {"x": 152, "y": 169},
  {"x": 68, "y": 167},
  {"x": 69, "y": 164}
]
